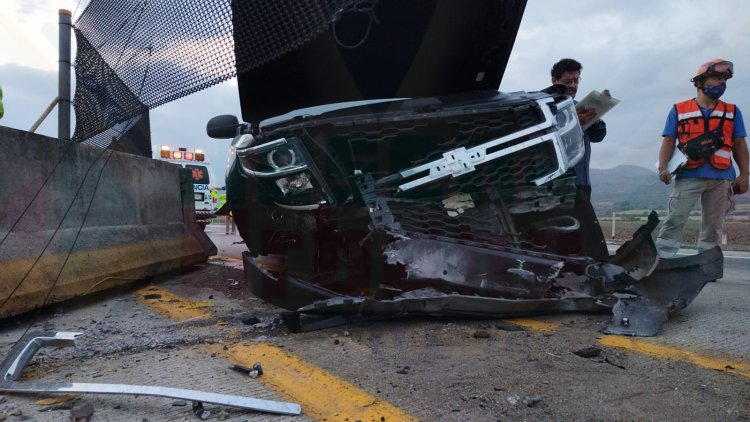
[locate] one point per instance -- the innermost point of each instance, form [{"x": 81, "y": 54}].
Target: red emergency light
[{"x": 182, "y": 154}]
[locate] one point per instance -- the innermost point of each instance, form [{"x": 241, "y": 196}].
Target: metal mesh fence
[{"x": 134, "y": 55}]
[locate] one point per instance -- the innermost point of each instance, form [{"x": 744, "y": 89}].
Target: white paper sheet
[{"x": 602, "y": 102}]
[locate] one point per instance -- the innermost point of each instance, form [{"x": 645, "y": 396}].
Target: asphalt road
[{"x": 186, "y": 330}]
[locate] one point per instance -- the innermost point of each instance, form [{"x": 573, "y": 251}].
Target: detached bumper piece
[
  {"x": 20, "y": 355},
  {"x": 446, "y": 279},
  {"x": 643, "y": 308}
]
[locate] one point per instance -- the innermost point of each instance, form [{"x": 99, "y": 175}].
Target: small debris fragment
[
  {"x": 179, "y": 403},
  {"x": 588, "y": 352},
  {"x": 481, "y": 334},
  {"x": 404, "y": 370},
  {"x": 222, "y": 415},
  {"x": 613, "y": 363},
  {"x": 513, "y": 399},
  {"x": 530, "y": 401},
  {"x": 200, "y": 412},
  {"x": 509, "y": 327},
  {"x": 254, "y": 372},
  {"x": 81, "y": 412},
  {"x": 61, "y": 406},
  {"x": 251, "y": 321},
  {"x": 54, "y": 400},
  {"x": 336, "y": 341},
  {"x": 498, "y": 388},
  {"x": 152, "y": 296}
]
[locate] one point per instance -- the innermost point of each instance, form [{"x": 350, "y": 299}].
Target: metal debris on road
[
  {"x": 14, "y": 364},
  {"x": 254, "y": 372}
]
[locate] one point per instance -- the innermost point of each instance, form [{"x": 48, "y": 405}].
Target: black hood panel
[{"x": 413, "y": 48}]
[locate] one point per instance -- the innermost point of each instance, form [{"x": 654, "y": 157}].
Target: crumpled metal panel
[
  {"x": 493, "y": 273},
  {"x": 469, "y": 281},
  {"x": 671, "y": 287},
  {"x": 431, "y": 302}
]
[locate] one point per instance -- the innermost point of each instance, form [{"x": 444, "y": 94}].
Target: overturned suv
[{"x": 460, "y": 204}]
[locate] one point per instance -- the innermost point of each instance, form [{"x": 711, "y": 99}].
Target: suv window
[{"x": 200, "y": 174}]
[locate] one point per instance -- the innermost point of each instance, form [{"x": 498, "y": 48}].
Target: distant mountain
[
  {"x": 627, "y": 187},
  {"x": 631, "y": 187}
]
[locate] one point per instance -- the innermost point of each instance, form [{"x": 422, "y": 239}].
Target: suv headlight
[
  {"x": 571, "y": 135},
  {"x": 276, "y": 158},
  {"x": 282, "y": 163}
]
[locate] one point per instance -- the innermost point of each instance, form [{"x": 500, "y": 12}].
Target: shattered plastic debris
[
  {"x": 531, "y": 401},
  {"x": 200, "y": 412}
]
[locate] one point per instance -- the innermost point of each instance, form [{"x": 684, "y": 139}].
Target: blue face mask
[{"x": 715, "y": 91}]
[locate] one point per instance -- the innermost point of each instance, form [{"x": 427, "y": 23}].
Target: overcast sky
[{"x": 644, "y": 52}]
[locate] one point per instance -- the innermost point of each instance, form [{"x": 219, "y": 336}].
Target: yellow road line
[
  {"x": 172, "y": 306},
  {"x": 223, "y": 258},
  {"x": 673, "y": 353},
  {"x": 534, "y": 324},
  {"x": 322, "y": 395}
]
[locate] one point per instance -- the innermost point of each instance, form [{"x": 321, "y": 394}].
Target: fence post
[{"x": 63, "y": 75}]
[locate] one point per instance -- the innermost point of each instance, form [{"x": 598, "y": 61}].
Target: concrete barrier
[{"x": 76, "y": 219}]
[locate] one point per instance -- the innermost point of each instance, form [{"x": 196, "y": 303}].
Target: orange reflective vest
[{"x": 691, "y": 123}]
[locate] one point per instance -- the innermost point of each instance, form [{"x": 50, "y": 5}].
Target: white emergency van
[{"x": 203, "y": 178}]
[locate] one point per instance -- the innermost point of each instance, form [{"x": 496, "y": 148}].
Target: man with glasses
[
  {"x": 567, "y": 72},
  {"x": 709, "y": 132}
]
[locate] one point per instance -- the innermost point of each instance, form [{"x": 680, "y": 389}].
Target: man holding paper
[
  {"x": 567, "y": 72},
  {"x": 709, "y": 132}
]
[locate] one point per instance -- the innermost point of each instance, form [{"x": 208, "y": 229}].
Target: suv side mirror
[{"x": 222, "y": 127}]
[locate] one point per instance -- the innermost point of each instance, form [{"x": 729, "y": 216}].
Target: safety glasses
[{"x": 725, "y": 67}]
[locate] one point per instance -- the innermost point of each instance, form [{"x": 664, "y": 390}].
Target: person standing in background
[
  {"x": 567, "y": 72},
  {"x": 709, "y": 132}
]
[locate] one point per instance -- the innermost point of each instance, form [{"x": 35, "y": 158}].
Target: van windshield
[{"x": 200, "y": 174}]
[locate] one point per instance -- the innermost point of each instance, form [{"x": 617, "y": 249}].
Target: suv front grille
[{"x": 431, "y": 219}]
